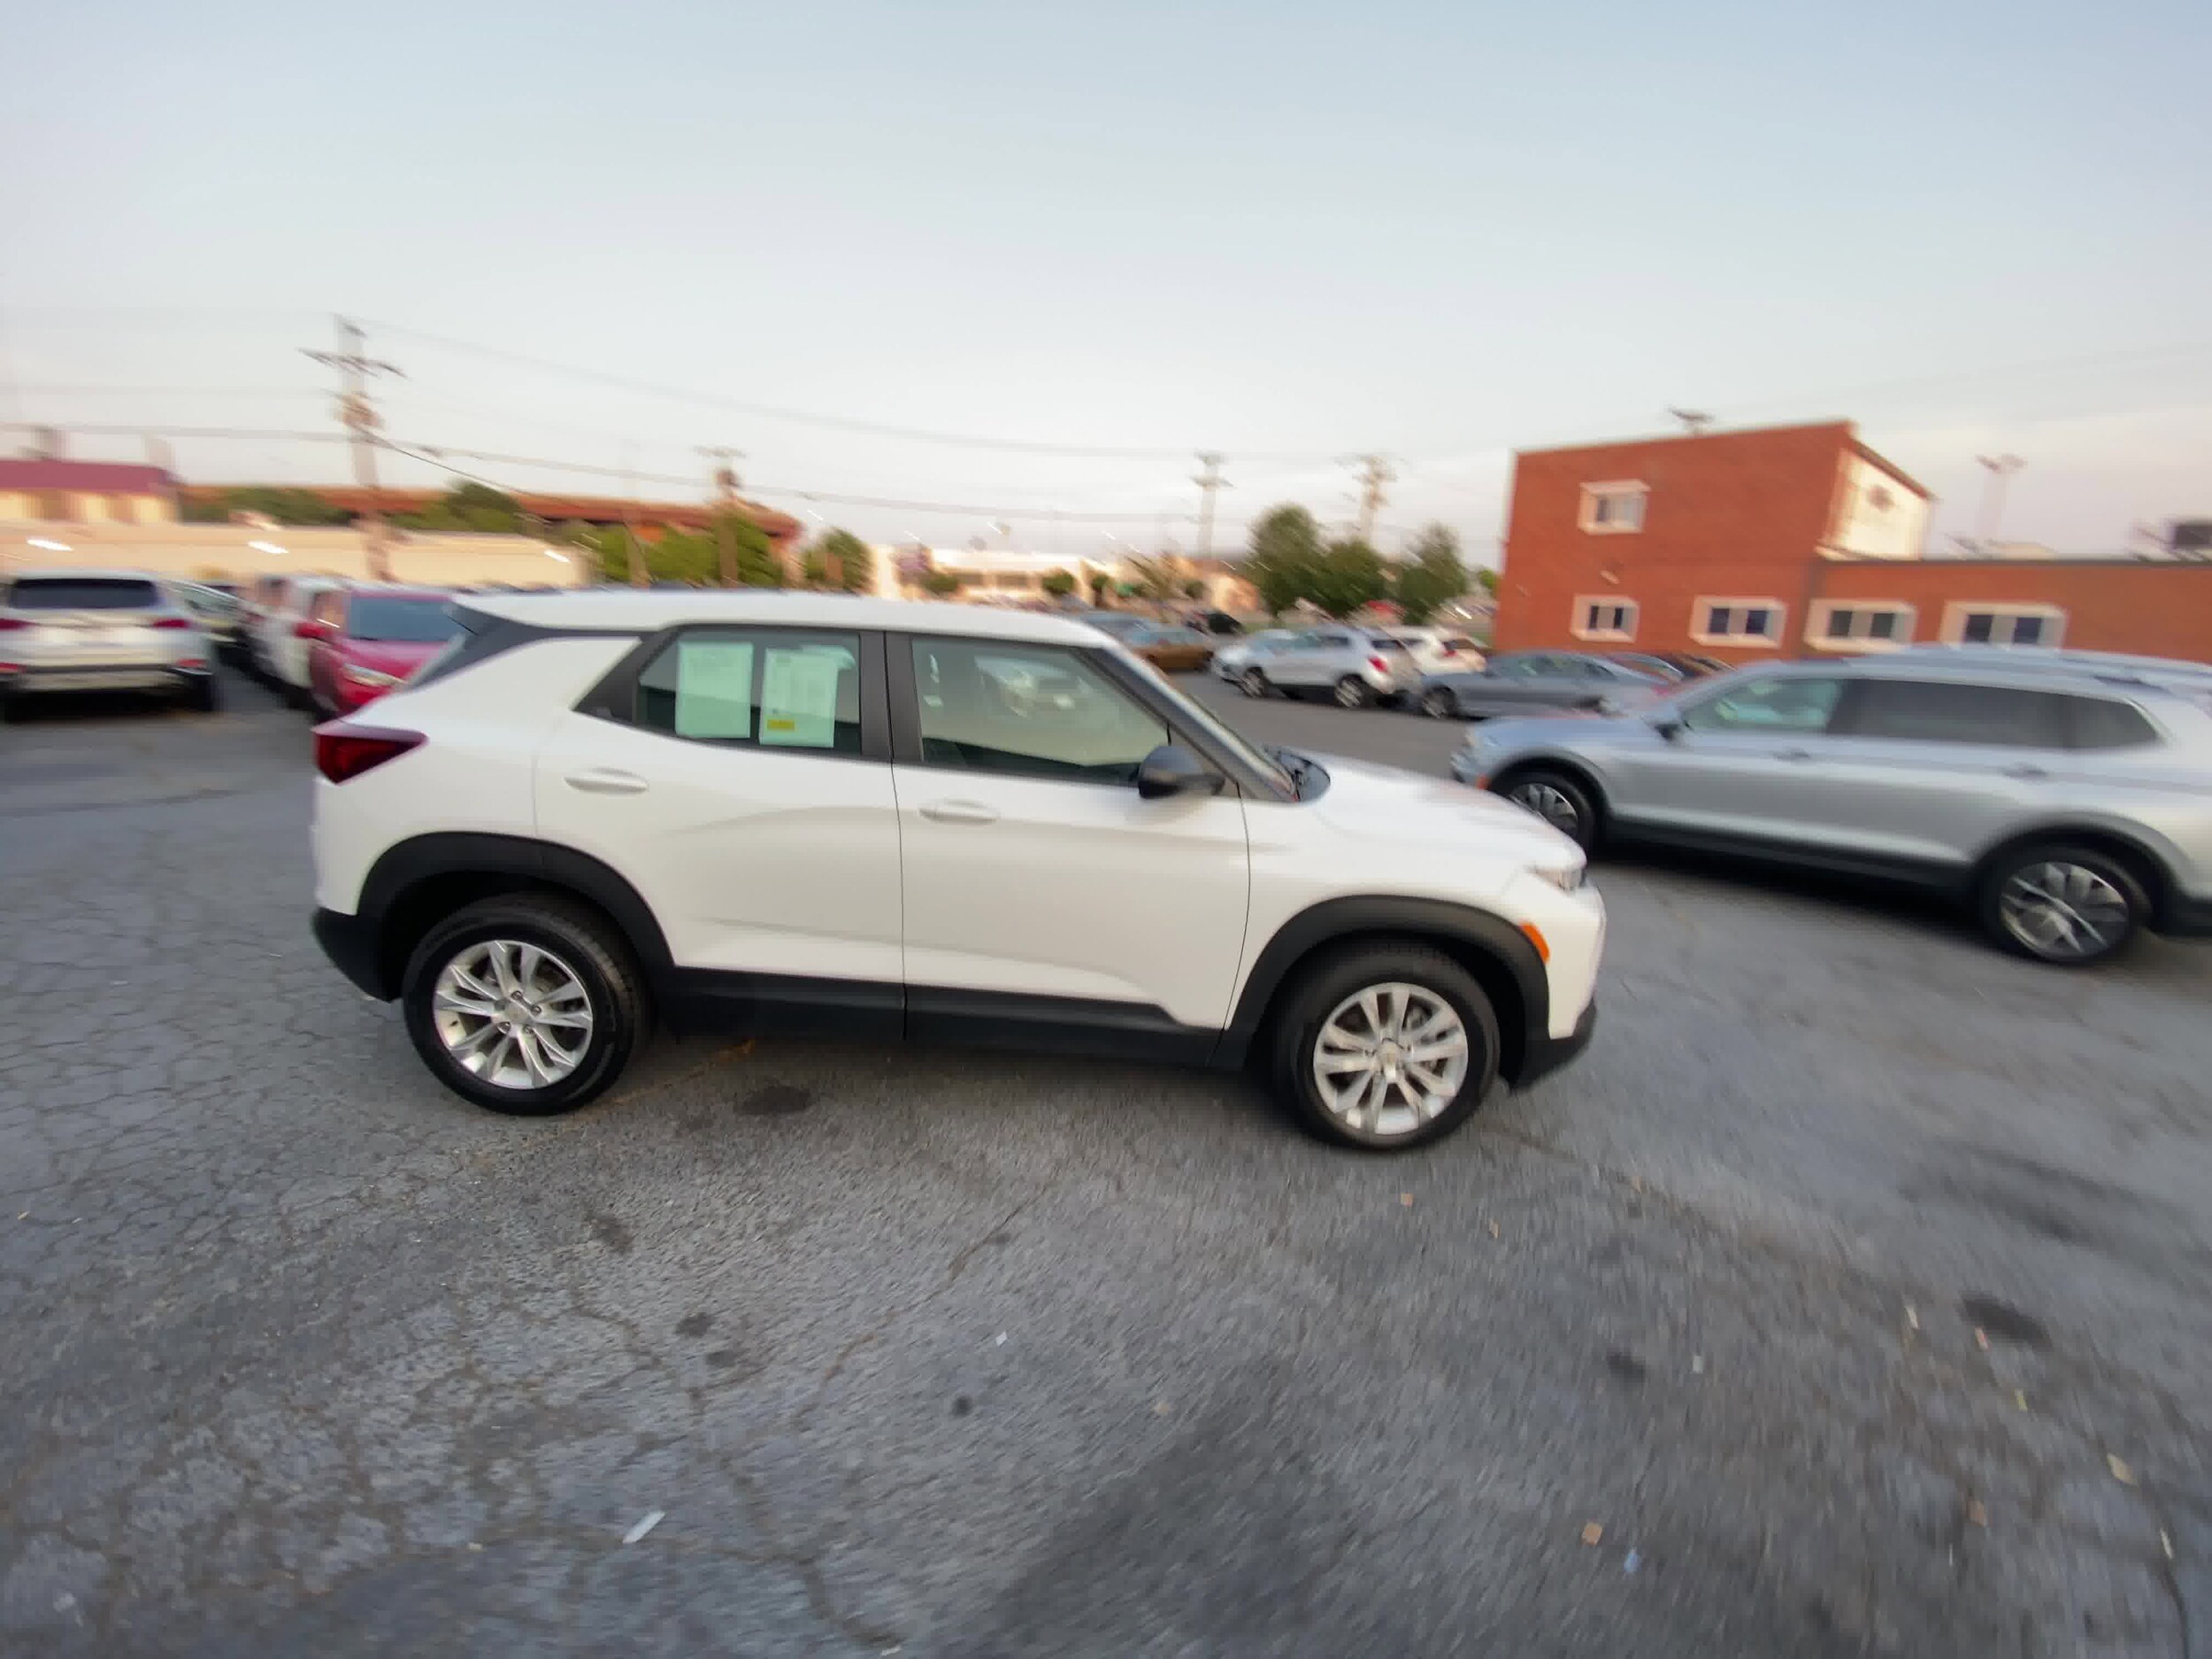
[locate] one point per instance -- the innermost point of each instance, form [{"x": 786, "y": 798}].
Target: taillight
[
  {"x": 171, "y": 622},
  {"x": 8, "y": 625},
  {"x": 1378, "y": 665},
  {"x": 343, "y": 752},
  {"x": 310, "y": 631}
]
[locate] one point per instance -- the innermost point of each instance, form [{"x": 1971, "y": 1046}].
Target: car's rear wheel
[
  {"x": 2071, "y": 906},
  {"x": 1351, "y": 692},
  {"x": 1438, "y": 703},
  {"x": 202, "y": 695},
  {"x": 527, "y": 1004},
  {"x": 1560, "y": 800},
  {"x": 1385, "y": 1047}
]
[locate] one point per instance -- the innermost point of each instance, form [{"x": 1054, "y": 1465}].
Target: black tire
[
  {"x": 2092, "y": 876},
  {"x": 1316, "y": 994},
  {"x": 202, "y": 696},
  {"x": 1252, "y": 683},
  {"x": 10, "y": 709},
  {"x": 1584, "y": 827},
  {"x": 584, "y": 942},
  {"x": 1350, "y": 692},
  {"x": 1439, "y": 703}
]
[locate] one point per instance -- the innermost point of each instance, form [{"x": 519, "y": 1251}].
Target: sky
[{"x": 1286, "y": 232}]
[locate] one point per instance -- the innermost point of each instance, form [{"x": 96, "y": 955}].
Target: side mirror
[
  {"x": 1668, "y": 725},
  {"x": 1171, "y": 769}
]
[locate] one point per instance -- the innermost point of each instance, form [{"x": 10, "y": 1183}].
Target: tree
[
  {"x": 944, "y": 584},
  {"x": 1156, "y": 577},
  {"x": 469, "y": 506},
  {"x": 1195, "y": 587},
  {"x": 1285, "y": 554},
  {"x": 1487, "y": 579},
  {"x": 1059, "y": 584},
  {"x": 1431, "y": 575},
  {"x": 849, "y": 563},
  {"x": 1102, "y": 584},
  {"x": 1349, "y": 575},
  {"x": 285, "y": 506}
]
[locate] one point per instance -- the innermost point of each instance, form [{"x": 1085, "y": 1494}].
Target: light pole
[{"x": 2001, "y": 467}]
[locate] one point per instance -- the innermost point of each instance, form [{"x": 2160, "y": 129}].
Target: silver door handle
[
  {"x": 607, "y": 781},
  {"x": 1793, "y": 754},
  {"x": 2027, "y": 772},
  {"x": 960, "y": 812}
]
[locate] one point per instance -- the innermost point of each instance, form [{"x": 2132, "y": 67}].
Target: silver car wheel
[
  {"x": 512, "y": 1014},
  {"x": 1389, "y": 1058},
  {"x": 1549, "y": 803},
  {"x": 1437, "y": 704},
  {"x": 1351, "y": 693},
  {"x": 1252, "y": 683},
  {"x": 2063, "y": 912}
]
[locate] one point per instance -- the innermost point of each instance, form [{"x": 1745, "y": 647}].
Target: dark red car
[{"x": 364, "y": 640}]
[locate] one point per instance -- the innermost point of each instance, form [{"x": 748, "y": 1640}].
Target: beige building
[
  {"x": 47, "y": 490},
  {"x": 237, "y": 552}
]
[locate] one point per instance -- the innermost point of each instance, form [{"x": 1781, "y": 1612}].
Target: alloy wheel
[
  {"x": 1253, "y": 683},
  {"x": 1549, "y": 803},
  {"x": 512, "y": 1014},
  {"x": 1351, "y": 693},
  {"x": 2063, "y": 911},
  {"x": 1437, "y": 704},
  {"x": 1389, "y": 1058}
]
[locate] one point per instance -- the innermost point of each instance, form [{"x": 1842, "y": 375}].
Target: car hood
[{"x": 1384, "y": 804}]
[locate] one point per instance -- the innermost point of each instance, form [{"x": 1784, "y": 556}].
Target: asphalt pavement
[{"x": 1850, "y": 1296}]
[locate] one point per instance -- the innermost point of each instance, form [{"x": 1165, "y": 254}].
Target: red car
[{"x": 364, "y": 640}]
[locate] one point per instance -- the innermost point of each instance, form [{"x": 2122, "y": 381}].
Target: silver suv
[
  {"x": 1354, "y": 666},
  {"x": 101, "y": 631},
  {"x": 2070, "y": 803}
]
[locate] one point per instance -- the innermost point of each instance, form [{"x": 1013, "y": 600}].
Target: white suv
[{"x": 793, "y": 813}]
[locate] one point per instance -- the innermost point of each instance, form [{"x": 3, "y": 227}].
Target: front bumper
[
  {"x": 350, "y": 944},
  {"x": 1546, "y": 1055}
]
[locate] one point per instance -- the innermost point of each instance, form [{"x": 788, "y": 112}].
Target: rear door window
[
  {"x": 766, "y": 688},
  {"x": 82, "y": 593},
  {"x": 1959, "y": 711}
]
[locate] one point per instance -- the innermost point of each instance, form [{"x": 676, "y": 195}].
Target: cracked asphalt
[{"x": 1676, "y": 1353}]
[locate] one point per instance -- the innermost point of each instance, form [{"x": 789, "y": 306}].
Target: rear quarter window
[{"x": 2106, "y": 723}]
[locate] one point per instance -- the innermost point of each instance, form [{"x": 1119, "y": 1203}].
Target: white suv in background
[
  {"x": 812, "y": 814},
  {"x": 280, "y": 639}
]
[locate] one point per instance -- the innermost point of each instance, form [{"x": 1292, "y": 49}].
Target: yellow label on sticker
[{"x": 783, "y": 726}]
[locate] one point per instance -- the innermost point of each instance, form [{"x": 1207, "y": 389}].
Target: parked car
[
  {"x": 811, "y": 814},
  {"x": 1519, "y": 682},
  {"x": 364, "y": 640},
  {"x": 1354, "y": 666},
  {"x": 1231, "y": 660},
  {"x": 1170, "y": 649},
  {"x": 1214, "y": 622},
  {"x": 281, "y": 633},
  {"x": 1665, "y": 669},
  {"x": 100, "y": 630},
  {"x": 1438, "y": 651},
  {"x": 220, "y": 613},
  {"x": 1118, "y": 623},
  {"x": 2070, "y": 807}
]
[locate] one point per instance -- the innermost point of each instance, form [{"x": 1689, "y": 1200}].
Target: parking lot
[{"x": 1849, "y": 1296}]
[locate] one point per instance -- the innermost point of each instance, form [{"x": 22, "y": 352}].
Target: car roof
[
  {"x": 2041, "y": 674},
  {"x": 86, "y": 573},
  {"x": 648, "y": 610}
]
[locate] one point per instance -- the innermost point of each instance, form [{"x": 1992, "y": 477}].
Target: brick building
[
  {"x": 1794, "y": 541},
  {"x": 51, "y": 490}
]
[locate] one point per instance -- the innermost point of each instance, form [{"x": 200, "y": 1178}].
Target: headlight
[
  {"x": 1566, "y": 878},
  {"x": 371, "y": 677}
]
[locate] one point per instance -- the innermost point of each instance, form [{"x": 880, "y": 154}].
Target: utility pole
[
  {"x": 1208, "y": 481},
  {"x": 2001, "y": 467},
  {"x": 1375, "y": 473},
  {"x": 359, "y": 416},
  {"x": 1695, "y": 422},
  {"x": 725, "y": 500}
]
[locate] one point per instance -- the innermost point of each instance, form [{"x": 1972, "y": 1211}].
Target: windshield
[{"x": 400, "y": 621}]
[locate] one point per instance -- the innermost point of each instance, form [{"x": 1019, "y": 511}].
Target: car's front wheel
[
  {"x": 1252, "y": 683},
  {"x": 1438, "y": 703},
  {"x": 2072, "y": 906},
  {"x": 1560, "y": 800},
  {"x": 527, "y": 1004},
  {"x": 1385, "y": 1047}
]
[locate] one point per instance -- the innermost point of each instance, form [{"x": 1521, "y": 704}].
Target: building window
[
  {"x": 1972, "y": 622},
  {"x": 1613, "y": 509},
  {"x": 1604, "y": 619},
  {"x": 1737, "y": 621},
  {"x": 1860, "y": 625}
]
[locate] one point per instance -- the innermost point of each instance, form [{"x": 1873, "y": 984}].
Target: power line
[{"x": 808, "y": 417}]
